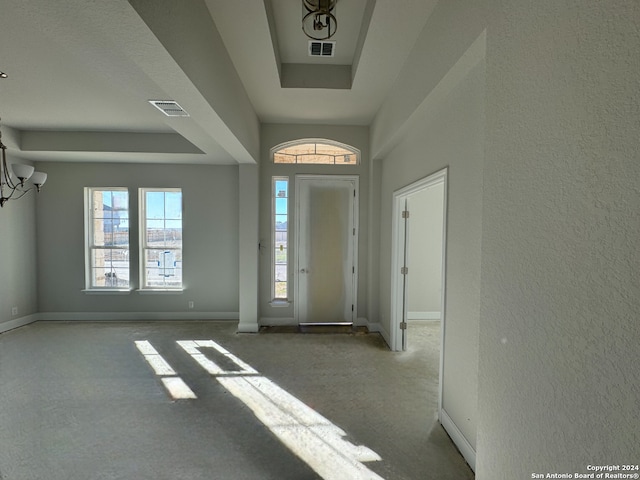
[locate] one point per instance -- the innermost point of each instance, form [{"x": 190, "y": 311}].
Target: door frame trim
[
  {"x": 356, "y": 224},
  {"x": 397, "y": 256}
]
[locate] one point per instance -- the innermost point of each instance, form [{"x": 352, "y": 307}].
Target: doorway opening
[
  {"x": 418, "y": 268},
  {"x": 326, "y": 219}
]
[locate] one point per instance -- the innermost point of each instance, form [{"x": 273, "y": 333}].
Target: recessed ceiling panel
[{"x": 294, "y": 44}]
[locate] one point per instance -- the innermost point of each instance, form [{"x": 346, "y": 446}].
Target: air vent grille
[
  {"x": 169, "y": 108},
  {"x": 321, "y": 49}
]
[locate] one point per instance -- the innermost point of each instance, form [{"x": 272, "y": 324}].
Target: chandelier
[
  {"x": 12, "y": 180},
  {"x": 318, "y": 19}
]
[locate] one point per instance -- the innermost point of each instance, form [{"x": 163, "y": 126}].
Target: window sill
[
  {"x": 280, "y": 303},
  {"x": 160, "y": 291},
  {"x": 105, "y": 291}
]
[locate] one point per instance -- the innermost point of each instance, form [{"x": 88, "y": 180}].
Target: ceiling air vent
[
  {"x": 169, "y": 108},
  {"x": 321, "y": 49}
]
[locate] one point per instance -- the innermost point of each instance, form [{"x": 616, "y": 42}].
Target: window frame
[
  {"x": 316, "y": 141},
  {"x": 274, "y": 214},
  {"x": 90, "y": 246},
  {"x": 143, "y": 247}
]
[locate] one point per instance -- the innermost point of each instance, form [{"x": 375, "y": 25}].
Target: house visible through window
[
  {"x": 107, "y": 232},
  {"x": 317, "y": 152},
  {"x": 280, "y": 237},
  {"x": 161, "y": 238}
]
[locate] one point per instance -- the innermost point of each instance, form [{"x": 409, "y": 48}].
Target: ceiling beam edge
[{"x": 188, "y": 33}]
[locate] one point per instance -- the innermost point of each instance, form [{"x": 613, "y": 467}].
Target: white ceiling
[{"x": 81, "y": 73}]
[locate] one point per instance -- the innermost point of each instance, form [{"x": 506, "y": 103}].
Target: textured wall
[
  {"x": 425, "y": 250},
  {"x": 559, "y": 333},
  {"x": 18, "y": 285},
  {"x": 210, "y": 237},
  {"x": 448, "y": 135}
]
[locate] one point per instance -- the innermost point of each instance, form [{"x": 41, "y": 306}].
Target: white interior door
[{"x": 326, "y": 242}]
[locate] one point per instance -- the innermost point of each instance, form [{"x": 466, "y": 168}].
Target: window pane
[
  {"x": 301, "y": 149},
  {"x": 108, "y": 242},
  {"x": 281, "y": 290},
  {"x": 317, "y": 153},
  {"x": 163, "y": 268},
  {"x": 281, "y": 158},
  {"x": 281, "y": 239},
  {"x": 281, "y": 206},
  {"x": 155, "y": 224},
  {"x": 173, "y": 225},
  {"x": 155, "y": 205},
  {"x": 333, "y": 150},
  {"x": 281, "y": 188},
  {"x": 110, "y": 268},
  {"x": 349, "y": 159},
  {"x": 155, "y": 237},
  {"x": 281, "y": 256},
  {"x": 107, "y": 235},
  {"x": 281, "y": 223},
  {"x": 173, "y": 205},
  {"x": 280, "y": 232},
  {"x": 162, "y": 231},
  {"x": 317, "y": 159},
  {"x": 120, "y": 200},
  {"x": 281, "y": 273}
]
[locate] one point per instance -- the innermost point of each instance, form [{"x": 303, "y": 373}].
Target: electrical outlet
[
  {"x": 191, "y": 305},
  {"x": 14, "y": 311}
]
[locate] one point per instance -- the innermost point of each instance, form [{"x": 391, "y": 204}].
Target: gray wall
[
  {"x": 450, "y": 135},
  {"x": 18, "y": 284},
  {"x": 273, "y": 135},
  {"x": 559, "y": 377},
  {"x": 210, "y": 238},
  {"x": 425, "y": 252},
  {"x": 553, "y": 261}
]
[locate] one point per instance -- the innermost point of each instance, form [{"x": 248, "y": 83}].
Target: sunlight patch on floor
[
  {"x": 309, "y": 435},
  {"x": 178, "y": 390}
]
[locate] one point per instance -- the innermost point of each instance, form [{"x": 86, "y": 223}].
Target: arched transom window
[{"x": 316, "y": 152}]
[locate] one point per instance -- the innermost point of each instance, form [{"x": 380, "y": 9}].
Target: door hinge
[
  {"x": 405, "y": 214},
  {"x": 403, "y": 325},
  {"x": 404, "y": 271},
  {"x": 353, "y": 269},
  {"x": 354, "y": 230},
  {"x": 352, "y": 308}
]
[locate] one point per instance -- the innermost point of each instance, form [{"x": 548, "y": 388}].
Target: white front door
[{"x": 326, "y": 220}]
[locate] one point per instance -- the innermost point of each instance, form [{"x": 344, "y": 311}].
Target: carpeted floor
[{"x": 78, "y": 401}]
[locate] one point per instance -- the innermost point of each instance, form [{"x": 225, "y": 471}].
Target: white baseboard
[
  {"x": 291, "y": 322},
  {"x": 133, "y": 316},
  {"x": 18, "y": 322},
  {"x": 424, "y": 315},
  {"x": 459, "y": 439},
  {"x": 250, "y": 327}
]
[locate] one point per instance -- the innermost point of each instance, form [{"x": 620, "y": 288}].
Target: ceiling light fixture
[
  {"x": 318, "y": 19},
  {"x": 12, "y": 181}
]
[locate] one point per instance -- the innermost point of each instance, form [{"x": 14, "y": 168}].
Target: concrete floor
[{"x": 79, "y": 401}]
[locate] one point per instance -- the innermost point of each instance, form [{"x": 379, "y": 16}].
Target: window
[
  {"x": 107, "y": 234},
  {"x": 280, "y": 236},
  {"x": 161, "y": 238},
  {"x": 317, "y": 152}
]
